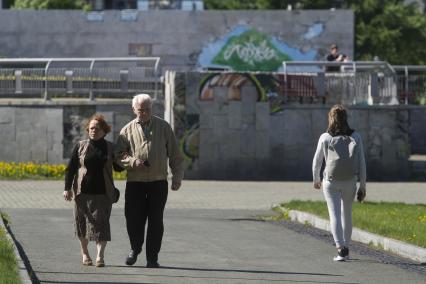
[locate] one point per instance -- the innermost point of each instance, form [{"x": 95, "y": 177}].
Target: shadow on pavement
[
  {"x": 199, "y": 277},
  {"x": 241, "y": 270}
]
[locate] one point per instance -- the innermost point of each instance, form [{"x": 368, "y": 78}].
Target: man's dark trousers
[{"x": 145, "y": 200}]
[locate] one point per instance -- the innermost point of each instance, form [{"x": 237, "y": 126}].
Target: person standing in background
[{"x": 335, "y": 56}]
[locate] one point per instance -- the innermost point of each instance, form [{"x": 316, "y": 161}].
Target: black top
[
  {"x": 331, "y": 57},
  {"x": 94, "y": 161}
]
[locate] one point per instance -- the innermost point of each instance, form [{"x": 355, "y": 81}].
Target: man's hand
[
  {"x": 317, "y": 185},
  {"x": 139, "y": 164},
  {"x": 176, "y": 185},
  {"x": 67, "y": 195}
]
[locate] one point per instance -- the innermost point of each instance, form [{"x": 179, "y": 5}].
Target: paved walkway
[
  {"x": 211, "y": 237},
  {"x": 209, "y": 194}
]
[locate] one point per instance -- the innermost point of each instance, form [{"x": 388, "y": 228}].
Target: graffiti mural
[
  {"x": 186, "y": 123},
  {"x": 232, "y": 81},
  {"x": 193, "y": 87},
  {"x": 251, "y": 50},
  {"x": 277, "y": 89},
  {"x": 247, "y": 49}
]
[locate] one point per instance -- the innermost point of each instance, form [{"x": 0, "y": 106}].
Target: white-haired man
[{"x": 144, "y": 146}]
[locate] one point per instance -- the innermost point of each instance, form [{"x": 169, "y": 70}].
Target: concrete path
[
  {"x": 209, "y": 194},
  {"x": 211, "y": 237}
]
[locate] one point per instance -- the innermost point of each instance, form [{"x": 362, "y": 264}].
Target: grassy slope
[
  {"x": 399, "y": 221},
  {"x": 8, "y": 267}
]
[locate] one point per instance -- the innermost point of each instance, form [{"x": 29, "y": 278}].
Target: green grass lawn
[
  {"x": 8, "y": 266},
  {"x": 404, "y": 222}
]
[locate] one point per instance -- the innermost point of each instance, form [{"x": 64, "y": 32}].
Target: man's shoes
[
  {"x": 342, "y": 254},
  {"x": 152, "y": 264},
  {"x": 131, "y": 258}
]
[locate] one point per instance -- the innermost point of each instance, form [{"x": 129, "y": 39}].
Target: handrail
[
  {"x": 406, "y": 77},
  {"x": 356, "y": 65},
  {"x": 381, "y": 76},
  {"x": 91, "y": 96},
  {"x": 46, "y": 96},
  {"x": 407, "y": 68},
  {"x": 78, "y": 59},
  {"x": 145, "y": 68}
]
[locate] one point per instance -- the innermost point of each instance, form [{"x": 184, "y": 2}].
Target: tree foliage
[
  {"x": 269, "y": 4},
  {"x": 393, "y": 31},
  {"x": 50, "y": 4},
  {"x": 236, "y": 4},
  {"x": 390, "y": 29}
]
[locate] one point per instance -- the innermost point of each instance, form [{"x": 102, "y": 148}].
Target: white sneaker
[
  {"x": 342, "y": 255},
  {"x": 339, "y": 258}
]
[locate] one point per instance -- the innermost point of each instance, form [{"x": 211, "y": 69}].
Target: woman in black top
[{"x": 89, "y": 178}]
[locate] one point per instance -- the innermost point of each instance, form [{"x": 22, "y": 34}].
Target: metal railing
[
  {"x": 355, "y": 82},
  {"x": 411, "y": 84},
  {"x": 79, "y": 77}
]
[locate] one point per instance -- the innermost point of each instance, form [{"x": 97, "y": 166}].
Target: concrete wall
[
  {"x": 418, "y": 130},
  {"x": 47, "y": 133},
  {"x": 181, "y": 38},
  {"x": 235, "y": 126},
  {"x": 234, "y": 140},
  {"x": 243, "y": 141},
  {"x": 31, "y": 134}
]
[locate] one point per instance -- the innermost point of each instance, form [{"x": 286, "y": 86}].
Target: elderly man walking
[{"x": 144, "y": 146}]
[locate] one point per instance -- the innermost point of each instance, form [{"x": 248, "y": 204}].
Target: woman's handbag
[{"x": 116, "y": 195}]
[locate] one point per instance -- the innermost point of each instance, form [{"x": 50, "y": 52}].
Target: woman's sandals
[
  {"x": 87, "y": 262},
  {"x": 100, "y": 263}
]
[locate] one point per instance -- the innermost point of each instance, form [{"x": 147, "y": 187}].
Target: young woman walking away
[{"x": 342, "y": 150}]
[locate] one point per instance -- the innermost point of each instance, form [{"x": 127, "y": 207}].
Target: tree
[
  {"x": 236, "y": 4},
  {"x": 391, "y": 30},
  {"x": 50, "y": 4},
  {"x": 6, "y": 4},
  {"x": 270, "y": 4}
]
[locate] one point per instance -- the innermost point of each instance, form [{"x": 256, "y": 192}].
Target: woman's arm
[
  {"x": 72, "y": 168},
  {"x": 70, "y": 173},
  {"x": 362, "y": 172},
  {"x": 318, "y": 160}
]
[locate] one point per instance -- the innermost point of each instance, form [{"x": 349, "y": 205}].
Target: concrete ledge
[
  {"x": 397, "y": 247},
  {"x": 23, "y": 273}
]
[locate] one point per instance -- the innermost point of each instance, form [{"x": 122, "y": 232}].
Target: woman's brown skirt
[{"x": 91, "y": 217}]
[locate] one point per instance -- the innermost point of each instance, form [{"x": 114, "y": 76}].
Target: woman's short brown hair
[{"x": 102, "y": 123}]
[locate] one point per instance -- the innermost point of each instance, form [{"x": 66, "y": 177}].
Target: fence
[
  {"x": 411, "y": 84},
  {"x": 79, "y": 77},
  {"x": 352, "y": 83}
]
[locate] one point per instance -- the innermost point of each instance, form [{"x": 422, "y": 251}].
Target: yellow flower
[{"x": 422, "y": 218}]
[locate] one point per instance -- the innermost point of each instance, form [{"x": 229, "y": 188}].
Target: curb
[
  {"x": 23, "y": 272},
  {"x": 397, "y": 247}
]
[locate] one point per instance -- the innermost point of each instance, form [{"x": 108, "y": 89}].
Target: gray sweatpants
[{"x": 339, "y": 196}]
